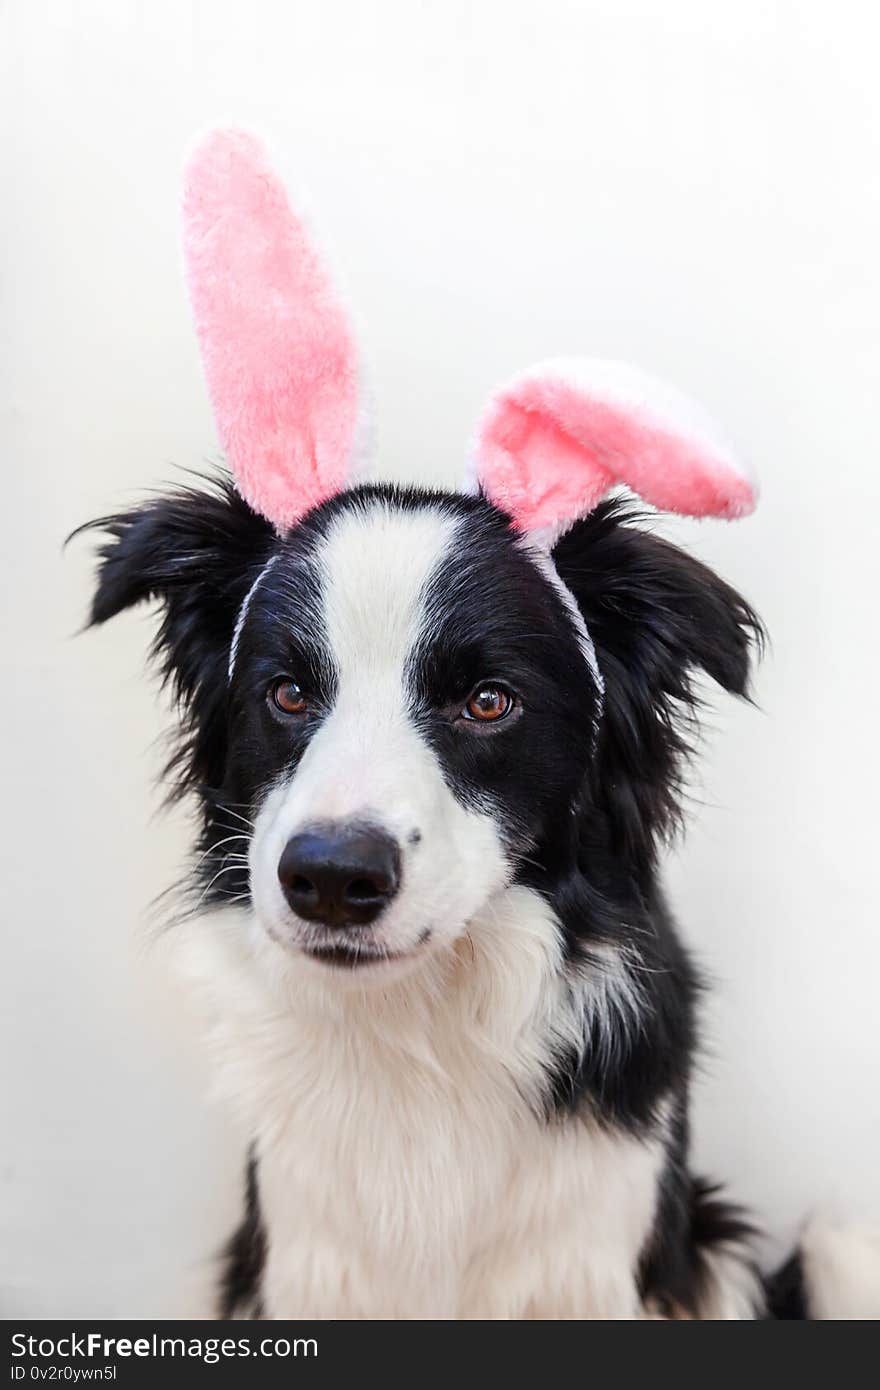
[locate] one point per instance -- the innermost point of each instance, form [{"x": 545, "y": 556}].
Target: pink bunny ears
[
  {"x": 282, "y": 374},
  {"x": 560, "y": 435},
  {"x": 279, "y": 358}
]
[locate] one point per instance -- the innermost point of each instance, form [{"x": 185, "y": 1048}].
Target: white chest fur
[{"x": 405, "y": 1168}]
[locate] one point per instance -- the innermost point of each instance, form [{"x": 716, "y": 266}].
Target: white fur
[
  {"x": 841, "y": 1266},
  {"x": 732, "y": 1286},
  {"x": 406, "y": 1168}
]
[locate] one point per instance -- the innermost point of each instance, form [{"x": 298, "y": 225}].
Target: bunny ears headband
[{"x": 283, "y": 377}]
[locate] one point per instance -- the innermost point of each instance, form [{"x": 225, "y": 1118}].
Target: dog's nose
[{"x": 342, "y": 876}]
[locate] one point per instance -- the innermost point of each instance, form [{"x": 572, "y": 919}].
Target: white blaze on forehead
[
  {"x": 375, "y": 564},
  {"x": 374, "y": 567}
]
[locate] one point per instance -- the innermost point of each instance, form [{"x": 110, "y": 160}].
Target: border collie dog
[{"x": 438, "y": 741}]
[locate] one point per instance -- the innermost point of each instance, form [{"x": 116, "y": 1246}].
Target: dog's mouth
[
  {"x": 352, "y": 957},
  {"x": 358, "y": 955}
]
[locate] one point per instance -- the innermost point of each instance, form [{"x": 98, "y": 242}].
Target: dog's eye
[
  {"x": 488, "y": 704},
  {"x": 287, "y": 696}
]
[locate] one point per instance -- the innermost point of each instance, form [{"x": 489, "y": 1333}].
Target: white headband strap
[
  {"x": 243, "y": 612},
  {"x": 544, "y": 562}
]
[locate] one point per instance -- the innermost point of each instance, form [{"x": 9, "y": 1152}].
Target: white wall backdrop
[{"x": 691, "y": 185}]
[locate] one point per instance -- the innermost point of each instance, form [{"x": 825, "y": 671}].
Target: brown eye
[
  {"x": 287, "y": 696},
  {"x": 488, "y": 704}
]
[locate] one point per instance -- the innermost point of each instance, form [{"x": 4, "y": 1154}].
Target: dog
[{"x": 437, "y": 741}]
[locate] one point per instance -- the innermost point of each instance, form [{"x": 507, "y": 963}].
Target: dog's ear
[
  {"x": 657, "y": 618},
  {"x": 197, "y": 552}
]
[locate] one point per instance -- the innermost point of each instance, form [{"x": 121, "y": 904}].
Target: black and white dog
[{"x": 437, "y": 744}]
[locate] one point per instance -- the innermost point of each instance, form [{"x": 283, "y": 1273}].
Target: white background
[{"x": 690, "y": 185}]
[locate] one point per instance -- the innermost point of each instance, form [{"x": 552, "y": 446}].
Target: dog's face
[
  {"x": 396, "y": 709},
  {"x": 409, "y": 709}
]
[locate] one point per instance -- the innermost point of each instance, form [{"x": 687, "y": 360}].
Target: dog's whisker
[
  {"x": 227, "y": 869},
  {"x": 230, "y": 828},
  {"x": 212, "y": 849},
  {"x": 227, "y": 810}
]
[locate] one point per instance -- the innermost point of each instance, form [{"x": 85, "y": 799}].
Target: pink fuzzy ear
[
  {"x": 279, "y": 358},
  {"x": 554, "y": 441}
]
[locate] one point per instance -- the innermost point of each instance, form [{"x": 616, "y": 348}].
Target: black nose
[{"x": 342, "y": 876}]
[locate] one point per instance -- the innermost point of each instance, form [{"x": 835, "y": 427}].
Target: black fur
[
  {"x": 244, "y": 1256},
  {"x": 787, "y": 1295},
  {"x": 692, "y": 1221},
  {"x": 586, "y": 800},
  {"x": 658, "y": 617},
  {"x": 197, "y": 551}
]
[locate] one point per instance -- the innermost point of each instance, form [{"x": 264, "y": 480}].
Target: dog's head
[{"x": 397, "y": 701}]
